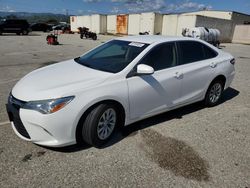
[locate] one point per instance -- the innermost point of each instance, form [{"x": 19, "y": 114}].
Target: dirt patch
[
  {"x": 31, "y": 156},
  {"x": 174, "y": 155},
  {"x": 27, "y": 157}
]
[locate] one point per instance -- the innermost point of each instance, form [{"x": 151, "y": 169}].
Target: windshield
[{"x": 112, "y": 56}]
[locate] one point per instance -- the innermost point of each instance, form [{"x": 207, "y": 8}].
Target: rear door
[
  {"x": 151, "y": 94},
  {"x": 197, "y": 65}
]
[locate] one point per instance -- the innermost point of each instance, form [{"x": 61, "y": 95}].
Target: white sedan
[{"x": 118, "y": 83}]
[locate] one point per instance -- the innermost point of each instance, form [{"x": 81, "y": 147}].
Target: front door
[{"x": 151, "y": 94}]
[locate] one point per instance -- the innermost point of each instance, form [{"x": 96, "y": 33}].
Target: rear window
[{"x": 192, "y": 51}]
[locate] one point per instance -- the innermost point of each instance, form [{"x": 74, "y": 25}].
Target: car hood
[{"x": 57, "y": 80}]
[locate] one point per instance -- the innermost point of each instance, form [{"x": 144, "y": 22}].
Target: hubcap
[
  {"x": 215, "y": 93},
  {"x": 106, "y": 124}
]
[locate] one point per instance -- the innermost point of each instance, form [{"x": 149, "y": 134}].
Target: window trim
[
  {"x": 132, "y": 71},
  {"x": 180, "y": 52}
]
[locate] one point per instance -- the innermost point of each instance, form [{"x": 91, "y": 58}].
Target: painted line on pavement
[{"x": 4, "y": 123}]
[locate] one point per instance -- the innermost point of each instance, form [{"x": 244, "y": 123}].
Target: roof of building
[{"x": 226, "y": 11}]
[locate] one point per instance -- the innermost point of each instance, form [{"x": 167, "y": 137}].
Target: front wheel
[
  {"x": 100, "y": 124},
  {"x": 214, "y": 93}
]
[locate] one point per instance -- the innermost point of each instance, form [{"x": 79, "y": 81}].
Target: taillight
[{"x": 232, "y": 61}]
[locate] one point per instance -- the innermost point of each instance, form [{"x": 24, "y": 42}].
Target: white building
[
  {"x": 154, "y": 23},
  {"x": 225, "y": 21},
  {"x": 96, "y": 23}
]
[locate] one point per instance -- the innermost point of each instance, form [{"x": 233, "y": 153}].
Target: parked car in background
[
  {"x": 41, "y": 27},
  {"x": 60, "y": 26},
  {"x": 17, "y": 26},
  {"x": 118, "y": 83}
]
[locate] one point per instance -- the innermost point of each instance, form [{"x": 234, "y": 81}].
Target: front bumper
[{"x": 53, "y": 130}]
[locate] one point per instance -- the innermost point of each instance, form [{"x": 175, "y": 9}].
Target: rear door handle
[
  {"x": 213, "y": 65},
  {"x": 178, "y": 75}
]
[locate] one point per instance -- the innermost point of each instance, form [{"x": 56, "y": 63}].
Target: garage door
[{"x": 122, "y": 24}]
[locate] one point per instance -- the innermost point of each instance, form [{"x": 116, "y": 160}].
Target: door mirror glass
[{"x": 143, "y": 69}]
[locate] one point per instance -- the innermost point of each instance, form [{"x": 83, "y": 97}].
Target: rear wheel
[
  {"x": 94, "y": 37},
  {"x": 99, "y": 125},
  {"x": 214, "y": 93},
  {"x": 25, "y": 32}
]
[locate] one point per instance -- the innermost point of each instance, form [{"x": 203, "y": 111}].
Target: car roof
[{"x": 149, "y": 39}]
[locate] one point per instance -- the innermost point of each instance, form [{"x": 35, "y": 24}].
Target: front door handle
[{"x": 178, "y": 75}]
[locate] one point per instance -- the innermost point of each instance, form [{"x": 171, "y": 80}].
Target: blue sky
[{"x": 79, "y": 7}]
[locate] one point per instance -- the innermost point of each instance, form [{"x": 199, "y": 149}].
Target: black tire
[
  {"x": 1, "y": 32},
  {"x": 25, "y": 32},
  {"x": 94, "y": 37},
  {"x": 209, "y": 100},
  {"x": 90, "y": 125},
  {"x": 18, "y": 33}
]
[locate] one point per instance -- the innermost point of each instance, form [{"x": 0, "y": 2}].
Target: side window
[
  {"x": 161, "y": 57},
  {"x": 190, "y": 51}
]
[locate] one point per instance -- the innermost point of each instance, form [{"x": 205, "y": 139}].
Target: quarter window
[
  {"x": 191, "y": 51},
  {"x": 161, "y": 57},
  {"x": 209, "y": 53}
]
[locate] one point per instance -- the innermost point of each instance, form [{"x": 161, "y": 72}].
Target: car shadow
[{"x": 133, "y": 129}]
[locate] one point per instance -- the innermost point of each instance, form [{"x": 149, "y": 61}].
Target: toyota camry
[{"x": 117, "y": 83}]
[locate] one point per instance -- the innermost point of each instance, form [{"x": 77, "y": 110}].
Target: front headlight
[{"x": 48, "y": 106}]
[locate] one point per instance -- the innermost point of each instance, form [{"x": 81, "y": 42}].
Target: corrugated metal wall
[
  {"x": 111, "y": 24},
  {"x": 147, "y": 23},
  {"x": 242, "y": 34},
  {"x": 226, "y": 27},
  {"x": 96, "y": 23},
  {"x": 153, "y": 23},
  {"x": 134, "y": 24}
]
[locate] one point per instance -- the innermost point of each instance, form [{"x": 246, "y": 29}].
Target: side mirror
[{"x": 143, "y": 69}]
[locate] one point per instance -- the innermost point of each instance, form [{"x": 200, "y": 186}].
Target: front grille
[{"x": 13, "y": 108}]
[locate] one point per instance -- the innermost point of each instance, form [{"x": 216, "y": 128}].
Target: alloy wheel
[
  {"x": 106, "y": 124},
  {"x": 215, "y": 92}
]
